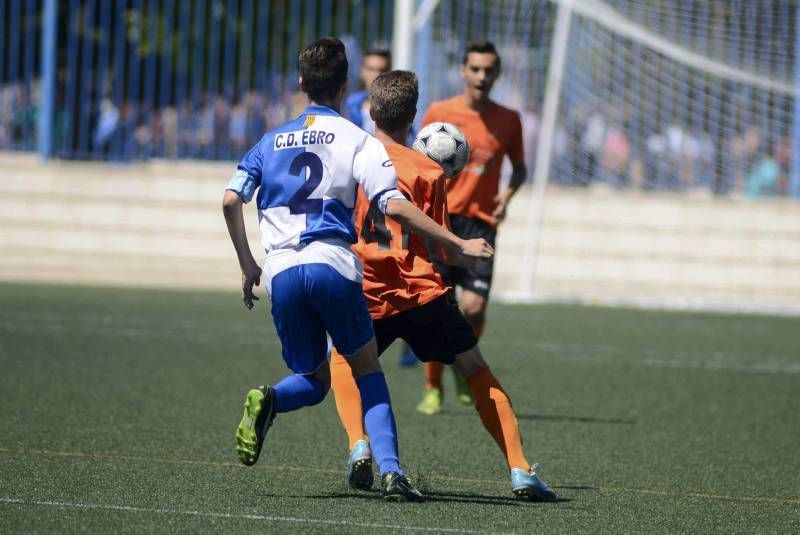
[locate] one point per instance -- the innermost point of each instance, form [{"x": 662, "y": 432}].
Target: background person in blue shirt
[{"x": 376, "y": 61}]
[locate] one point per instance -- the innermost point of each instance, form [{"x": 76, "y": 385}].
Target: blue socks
[
  {"x": 379, "y": 421},
  {"x": 296, "y": 391}
]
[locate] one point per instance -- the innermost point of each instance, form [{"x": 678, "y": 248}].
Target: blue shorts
[{"x": 307, "y": 301}]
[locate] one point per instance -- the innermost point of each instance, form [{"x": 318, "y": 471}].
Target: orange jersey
[
  {"x": 491, "y": 135},
  {"x": 398, "y": 273}
]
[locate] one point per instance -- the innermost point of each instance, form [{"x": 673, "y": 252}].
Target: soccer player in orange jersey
[
  {"x": 407, "y": 298},
  {"x": 475, "y": 201}
]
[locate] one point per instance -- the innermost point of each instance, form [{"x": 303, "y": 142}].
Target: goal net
[{"x": 654, "y": 103}]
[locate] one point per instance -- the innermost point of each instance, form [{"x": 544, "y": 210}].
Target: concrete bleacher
[
  {"x": 160, "y": 224},
  {"x": 660, "y": 248}
]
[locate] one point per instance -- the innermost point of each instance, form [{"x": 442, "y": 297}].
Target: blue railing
[{"x": 134, "y": 79}]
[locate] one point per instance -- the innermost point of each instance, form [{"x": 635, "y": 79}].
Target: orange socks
[
  {"x": 348, "y": 398},
  {"x": 498, "y": 416}
]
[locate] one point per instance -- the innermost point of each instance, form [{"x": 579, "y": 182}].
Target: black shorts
[
  {"x": 479, "y": 279},
  {"x": 436, "y": 331}
]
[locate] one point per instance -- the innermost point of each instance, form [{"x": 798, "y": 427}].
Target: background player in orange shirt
[
  {"x": 407, "y": 298},
  {"x": 475, "y": 201}
]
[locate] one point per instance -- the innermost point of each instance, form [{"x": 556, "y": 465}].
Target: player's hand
[
  {"x": 476, "y": 248},
  {"x": 499, "y": 213},
  {"x": 251, "y": 276}
]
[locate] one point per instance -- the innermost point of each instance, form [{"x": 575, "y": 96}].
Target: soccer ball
[{"x": 445, "y": 144}]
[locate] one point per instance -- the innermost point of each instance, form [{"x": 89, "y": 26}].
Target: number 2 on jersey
[{"x": 299, "y": 203}]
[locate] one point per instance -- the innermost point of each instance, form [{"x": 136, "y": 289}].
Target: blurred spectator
[
  {"x": 654, "y": 159},
  {"x": 237, "y": 127},
  {"x": 764, "y": 177},
  {"x": 256, "y": 117},
  {"x": 107, "y": 125},
  {"x": 205, "y": 127},
  {"x": 219, "y": 128},
  {"x": 169, "y": 121},
  {"x": 616, "y": 156},
  {"x": 743, "y": 148},
  {"x": 591, "y": 148}
]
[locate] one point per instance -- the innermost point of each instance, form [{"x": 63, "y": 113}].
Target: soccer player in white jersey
[{"x": 307, "y": 173}]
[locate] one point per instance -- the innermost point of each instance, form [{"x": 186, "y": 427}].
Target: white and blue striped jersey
[{"x": 306, "y": 173}]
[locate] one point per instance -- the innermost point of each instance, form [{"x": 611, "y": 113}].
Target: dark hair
[
  {"x": 393, "y": 99},
  {"x": 481, "y": 47},
  {"x": 382, "y": 52},
  {"x": 323, "y": 67}
]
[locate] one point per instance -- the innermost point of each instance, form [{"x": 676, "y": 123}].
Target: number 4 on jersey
[{"x": 375, "y": 230}]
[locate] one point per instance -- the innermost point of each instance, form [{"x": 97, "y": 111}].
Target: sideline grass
[{"x": 117, "y": 412}]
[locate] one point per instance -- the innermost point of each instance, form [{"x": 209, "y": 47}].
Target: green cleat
[
  {"x": 431, "y": 402},
  {"x": 463, "y": 392},
  {"x": 259, "y": 412}
]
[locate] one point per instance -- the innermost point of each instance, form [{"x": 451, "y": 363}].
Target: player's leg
[
  {"x": 474, "y": 303},
  {"x": 303, "y": 342},
  {"x": 433, "y": 395},
  {"x": 379, "y": 422},
  {"x": 475, "y": 284},
  {"x": 302, "y": 336},
  {"x": 439, "y": 332},
  {"x": 351, "y": 415},
  {"x": 343, "y": 309},
  {"x": 498, "y": 418},
  {"x": 348, "y": 406},
  {"x": 348, "y": 399}
]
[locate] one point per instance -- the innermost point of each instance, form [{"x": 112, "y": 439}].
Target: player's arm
[
  {"x": 240, "y": 190},
  {"x": 437, "y": 197},
  {"x": 408, "y": 215},
  {"x": 373, "y": 169},
  {"x": 519, "y": 170},
  {"x": 234, "y": 218}
]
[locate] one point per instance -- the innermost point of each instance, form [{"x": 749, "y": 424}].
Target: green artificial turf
[{"x": 118, "y": 410}]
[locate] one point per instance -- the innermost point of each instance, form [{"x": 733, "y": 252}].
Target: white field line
[
  {"x": 704, "y": 305},
  {"x": 653, "y": 358},
  {"x": 713, "y": 361},
  {"x": 282, "y": 468},
  {"x": 235, "y": 516}
]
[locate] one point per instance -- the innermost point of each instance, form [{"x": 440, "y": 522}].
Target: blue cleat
[
  {"x": 528, "y": 486},
  {"x": 359, "y": 466}
]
